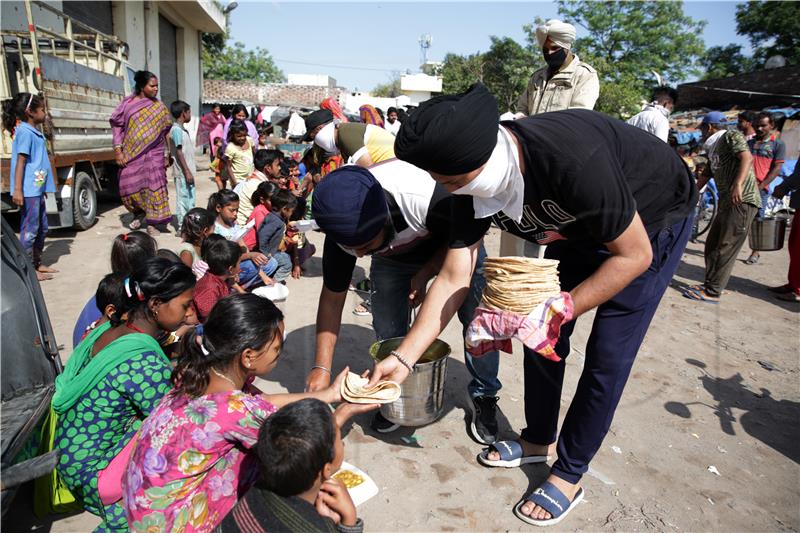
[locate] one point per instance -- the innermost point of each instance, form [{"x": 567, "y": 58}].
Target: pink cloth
[
  {"x": 216, "y": 133},
  {"x": 194, "y": 460},
  {"x": 109, "y": 480},
  {"x": 492, "y": 329}
]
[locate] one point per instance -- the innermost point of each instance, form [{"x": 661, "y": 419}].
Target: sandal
[
  {"x": 552, "y": 500},
  {"x": 511, "y": 455},
  {"x": 700, "y": 296},
  {"x": 753, "y": 259},
  {"x": 362, "y": 309}
]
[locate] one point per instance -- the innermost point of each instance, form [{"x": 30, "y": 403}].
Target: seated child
[
  {"x": 197, "y": 225},
  {"x": 222, "y": 257},
  {"x": 110, "y": 299},
  {"x": 262, "y": 202},
  {"x": 272, "y": 231},
  {"x": 256, "y": 267},
  {"x": 299, "y": 448},
  {"x": 265, "y": 162},
  {"x": 129, "y": 252},
  {"x": 195, "y": 455}
]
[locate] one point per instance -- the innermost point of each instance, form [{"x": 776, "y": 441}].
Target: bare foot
[
  {"x": 527, "y": 450},
  {"x": 536, "y": 512},
  {"x": 153, "y": 231},
  {"x": 46, "y": 270},
  {"x": 41, "y": 276}
]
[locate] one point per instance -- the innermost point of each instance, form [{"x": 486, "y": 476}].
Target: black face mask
[{"x": 556, "y": 59}]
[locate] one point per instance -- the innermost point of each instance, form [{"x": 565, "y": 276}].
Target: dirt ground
[{"x": 706, "y": 437}]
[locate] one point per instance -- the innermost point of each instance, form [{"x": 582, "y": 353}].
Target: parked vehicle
[
  {"x": 30, "y": 364},
  {"x": 82, "y": 75}
]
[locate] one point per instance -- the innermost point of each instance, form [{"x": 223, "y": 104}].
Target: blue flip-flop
[
  {"x": 511, "y": 455},
  {"x": 698, "y": 296},
  {"x": 552, "y": 500}
]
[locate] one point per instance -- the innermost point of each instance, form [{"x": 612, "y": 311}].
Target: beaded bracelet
[{"x": 403, "y": 360}]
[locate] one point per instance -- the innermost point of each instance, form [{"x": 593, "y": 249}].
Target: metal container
[
  {"x": 767, "y": 234},
  {"x": 422, "y": 399}
]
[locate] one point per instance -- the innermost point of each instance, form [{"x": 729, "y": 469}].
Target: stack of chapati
[
  {"x": 353, "y": 390},
  {"x": 519, "y": 284}
]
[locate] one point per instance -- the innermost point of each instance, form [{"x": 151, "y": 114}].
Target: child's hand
[
  {"x": 258, "y": 258},
  {"x": 17, "y": 198},
  {"x": 335, "y": 502},
  {"x": 189, "y": 179},
  {"x": 345, "y": 411},
  {"x": 333, "y": 394}
]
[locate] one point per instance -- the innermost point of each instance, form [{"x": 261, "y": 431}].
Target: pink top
[
  {"x": 251, "y": 237},
  {"x": 192, "y": 461}
]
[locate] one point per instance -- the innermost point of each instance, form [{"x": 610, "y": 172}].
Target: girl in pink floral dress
[{"x": 193, "y": 458}]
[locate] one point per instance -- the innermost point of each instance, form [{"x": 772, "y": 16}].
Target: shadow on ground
[{"x": 773, "y": 422}]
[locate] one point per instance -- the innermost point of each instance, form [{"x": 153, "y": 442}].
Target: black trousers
[{"x": 619, "y": 327}]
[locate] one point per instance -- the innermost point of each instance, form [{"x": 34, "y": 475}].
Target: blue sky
[{"x": 360, "y": 44}]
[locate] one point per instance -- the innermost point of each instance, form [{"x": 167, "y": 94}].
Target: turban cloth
[
  {"x": 370, "y": 115},
  {"x": 450, "y": 134},
  {"x": 561, "y": 33},
  {"x": 349, "y": 206}
]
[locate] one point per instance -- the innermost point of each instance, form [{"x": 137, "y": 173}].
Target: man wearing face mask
[
  {"x": 566, "y": 82},
  {"x": 397, "y": 214},
  {"x": 358, "y": 143},
  {"x": 612, "y": 203}
]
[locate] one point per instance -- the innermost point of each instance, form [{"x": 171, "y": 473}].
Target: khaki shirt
[{"x": 574, "y": 86}]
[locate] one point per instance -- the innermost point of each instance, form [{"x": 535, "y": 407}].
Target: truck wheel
[{"x": 84, "y": 201}]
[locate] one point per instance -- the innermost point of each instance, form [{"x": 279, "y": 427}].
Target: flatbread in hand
[{"x": 353, "y": 390}]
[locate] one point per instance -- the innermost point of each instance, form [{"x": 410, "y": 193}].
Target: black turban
[{"x": 450, "y": 134}]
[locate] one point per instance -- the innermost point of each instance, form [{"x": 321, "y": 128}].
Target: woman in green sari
[{"x": 114, "y": 378}]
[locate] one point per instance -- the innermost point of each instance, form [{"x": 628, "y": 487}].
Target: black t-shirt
[
  {"x": 586, "y": 174},
  {"x": 442, "y": 209}
]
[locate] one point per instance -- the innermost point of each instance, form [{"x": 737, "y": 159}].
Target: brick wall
[{"x": 269, "y": 93}]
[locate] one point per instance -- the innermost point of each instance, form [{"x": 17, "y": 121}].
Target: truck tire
[{"x": 84, "y": 201}]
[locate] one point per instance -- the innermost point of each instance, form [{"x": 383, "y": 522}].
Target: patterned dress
[
  {"x": 94, "y": 430},
  {"x": 192, "y": 461}
]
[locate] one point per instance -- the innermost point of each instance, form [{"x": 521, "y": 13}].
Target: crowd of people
[{"x": 159, "y": 424}]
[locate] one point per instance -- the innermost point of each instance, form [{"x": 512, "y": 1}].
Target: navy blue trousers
[{"x": 619, "y": 327}]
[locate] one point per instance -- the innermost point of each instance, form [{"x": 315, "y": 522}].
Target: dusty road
[{"x": 713, "y": 386}]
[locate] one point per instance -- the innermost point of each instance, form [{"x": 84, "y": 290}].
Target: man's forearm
[
  {"x": 773, "y": 173},
  {"x": 329, "y": 321},
  {"x": 445, "y": 296},
  {"x": 614, "y": 274}
]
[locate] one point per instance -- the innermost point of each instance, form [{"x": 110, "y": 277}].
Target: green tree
[
  {"x": 725, "y": 61},
  {"x": 772, "y": 28},
  {"x": 459, "y": 72},
  {"x": 234, "y": 63},
  {"x": 390, "y": 89},
  {"x": 508, "y": 67},
  {"x": 629, "y": 40}
]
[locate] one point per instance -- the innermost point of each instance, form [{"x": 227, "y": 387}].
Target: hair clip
[
  {"x": 125, "y": 237},
  {"x": 139, "y": 293},
  {"x": 199, "y": 341},
  {"x": 27, "y": 107}
]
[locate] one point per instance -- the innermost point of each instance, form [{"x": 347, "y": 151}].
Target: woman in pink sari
[
  {"x": 207, "y": 124},
  {"x": 140, "y": 125}
]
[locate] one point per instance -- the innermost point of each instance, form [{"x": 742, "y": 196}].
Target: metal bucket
[
  {"x": 767, "y": 234},
  {"x": 422, "y": 399}
]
